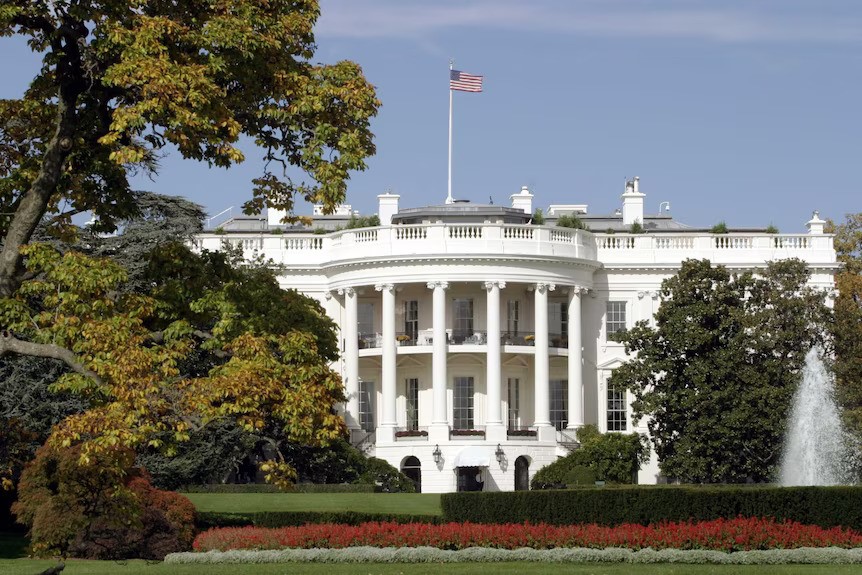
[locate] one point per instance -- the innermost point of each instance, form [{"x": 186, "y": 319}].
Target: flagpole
[{"x": 449, "y": 199}]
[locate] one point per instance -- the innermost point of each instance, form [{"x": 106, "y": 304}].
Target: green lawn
[
  {"x": 405, "y": 503},
  {"x": 31, "y": 567}
]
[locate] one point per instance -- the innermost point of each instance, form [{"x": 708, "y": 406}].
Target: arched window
[
  {"x": 522, "y": 474},
  {"x": 413, "y": 469}
]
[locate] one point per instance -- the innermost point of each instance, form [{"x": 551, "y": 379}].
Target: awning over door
[{"x": 473, "y": 457}]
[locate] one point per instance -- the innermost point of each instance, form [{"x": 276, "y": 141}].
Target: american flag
[{"x": 465, "y": 82}]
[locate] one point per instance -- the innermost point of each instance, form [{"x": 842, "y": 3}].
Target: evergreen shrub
[{"x": 823, "y": 506}]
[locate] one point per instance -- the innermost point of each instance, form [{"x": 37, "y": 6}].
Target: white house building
[{"x": 475, "y": 342}]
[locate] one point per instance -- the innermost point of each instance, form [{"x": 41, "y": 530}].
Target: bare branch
[{"x": 11, "y": 344}]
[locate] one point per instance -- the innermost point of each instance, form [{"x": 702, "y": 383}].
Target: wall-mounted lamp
[
  {"x": 666, "y": 206},
  {"x": 500, "y": 454},
  {"x": 437, "y": 454}
]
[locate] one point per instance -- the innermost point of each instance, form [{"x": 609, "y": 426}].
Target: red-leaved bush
[
  {"x": 721, "y": 535},
  {"x": 105, "y": 509}
]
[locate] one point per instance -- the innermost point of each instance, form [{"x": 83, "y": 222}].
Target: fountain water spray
[{"x": 815, "y": 445}]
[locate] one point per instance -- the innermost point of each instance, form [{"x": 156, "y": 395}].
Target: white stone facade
[{"x": 473, "y": 347}]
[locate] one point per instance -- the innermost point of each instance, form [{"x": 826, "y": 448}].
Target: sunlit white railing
[{"x": 490, "y": 239}]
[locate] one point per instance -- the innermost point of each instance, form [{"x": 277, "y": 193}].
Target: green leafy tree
[
  {"x": 717, "y": 374},
  {"x": 848, "y": 319},
  {"x": 123, "y": 81}
]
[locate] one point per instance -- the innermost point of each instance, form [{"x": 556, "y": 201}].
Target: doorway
[
  {"x": 413, "y": 470},
  {"x": 522, "y": 474},
  {"x": 470, "y": 479}
]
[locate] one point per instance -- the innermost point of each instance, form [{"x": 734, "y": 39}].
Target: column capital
[
  {"x": 578, "y": 290},
  {"x": 545, "y": 287},
  {"x": 442, "y": 285},
  {"x": 327, "y": 295},
  {"x": 495, "y": 283},
  {"x": 386, "y": 287},
  {"x": 346, "y": 291}
]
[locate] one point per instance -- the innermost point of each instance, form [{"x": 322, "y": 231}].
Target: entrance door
[
  {"x": 413, "y": 469},
  {"x": 470, "y": 479},
  {"x": 522, "y": 474}
]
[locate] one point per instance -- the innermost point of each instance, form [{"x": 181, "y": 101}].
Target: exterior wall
[{"x": 531, "y": 263}]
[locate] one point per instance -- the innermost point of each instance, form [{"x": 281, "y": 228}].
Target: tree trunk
[{"x": 34, "y": 203}]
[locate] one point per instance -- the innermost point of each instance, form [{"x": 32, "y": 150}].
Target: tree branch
[{"x": 11, "y": 344}]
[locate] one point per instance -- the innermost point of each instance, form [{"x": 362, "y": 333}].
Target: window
[
  {"x": 514, "y": 403},
  {"x": 617, "y": 420},
  {"x": 412, "y": 404},
  {"x": 366, "y": 405},
  {"x": 411, "y": 320},
  {"x": 463, "y": 309},
  {"x": 513, "y": 317},
  {"x": 615, "y": 319},
  {"x": 462, "y": 406},
  {"x": 558, "y": 319},
  {"x": 365, "y": 315},
  {"x": 559, "y": 403}
]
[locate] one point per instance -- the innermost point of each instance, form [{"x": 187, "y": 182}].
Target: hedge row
[
  {"x": 267, "y": 488},
  {"x": 209, "y": 519},
  {"x": 823, "y": 506}
]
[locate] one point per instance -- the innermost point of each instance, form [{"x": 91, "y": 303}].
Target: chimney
[
  {"x": 387, "y": 206},
  {"x": 523, "y": 201},
  {"x": 273, "y": 217},
  {"x": 815, "y": 224},
  {"x": 633, "y": 203}
]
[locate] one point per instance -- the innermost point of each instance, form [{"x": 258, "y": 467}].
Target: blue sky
[{"x": 745, "y": 111}]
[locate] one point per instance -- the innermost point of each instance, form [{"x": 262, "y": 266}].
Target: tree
[
  {"x": 611, "y": 457},
  {"x": 716, "y": 375},
  {"x": 123, "y": 81},
  {"x": 848, "y": 319},
  {"x": 136, "y": 380}
]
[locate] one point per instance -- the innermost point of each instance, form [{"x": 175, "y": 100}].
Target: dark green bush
[
  {"x": 824, "y": 506},
  {"x": 580, "y": 475},
  {"x": 206, "y": 520},
  {"x": 612, "y": 457},
  {"x": 385, "y": 477}
]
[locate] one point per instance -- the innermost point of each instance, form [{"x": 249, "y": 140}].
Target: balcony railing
[
  {"x": 306, "y": 249},
  {"x": 425, "y": 337}
]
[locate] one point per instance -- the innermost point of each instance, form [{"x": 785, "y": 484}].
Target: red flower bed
[{"x": 721, "y": 535}]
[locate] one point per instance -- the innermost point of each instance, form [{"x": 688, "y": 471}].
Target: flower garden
[{"x": 729, "y": 535}]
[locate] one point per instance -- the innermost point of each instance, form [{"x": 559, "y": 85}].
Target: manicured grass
[
  {"x": 31, "y": 567},
  {"x": 405, "y": 503}
]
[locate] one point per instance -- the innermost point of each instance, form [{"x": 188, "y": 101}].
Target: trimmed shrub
[
  {"x": 104, "y": 509},
  {"x": 823, "y": 506},
  {"x": 612, "y": 457},
  {"x": 208, "y": 519},
  {"x": 388, "y": 479}
]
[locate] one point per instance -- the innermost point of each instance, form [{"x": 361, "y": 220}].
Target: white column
[
  {"x": 387, "y": 386},
  {"x": 542, "y": 372},
  {"x": 438, "y": 362},
  {"x": 576, "y": 378},
  {"x": 350, "y": 330},
  {"x": 493, "y": 374}
]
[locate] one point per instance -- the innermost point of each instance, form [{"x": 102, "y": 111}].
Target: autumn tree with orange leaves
[{"x": 123, "y": 82}]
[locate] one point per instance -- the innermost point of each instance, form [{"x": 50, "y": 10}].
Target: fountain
[{"x": 815, "y": 449}]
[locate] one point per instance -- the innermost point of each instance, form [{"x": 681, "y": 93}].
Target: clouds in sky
[{"x": 731, "y": 21}]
